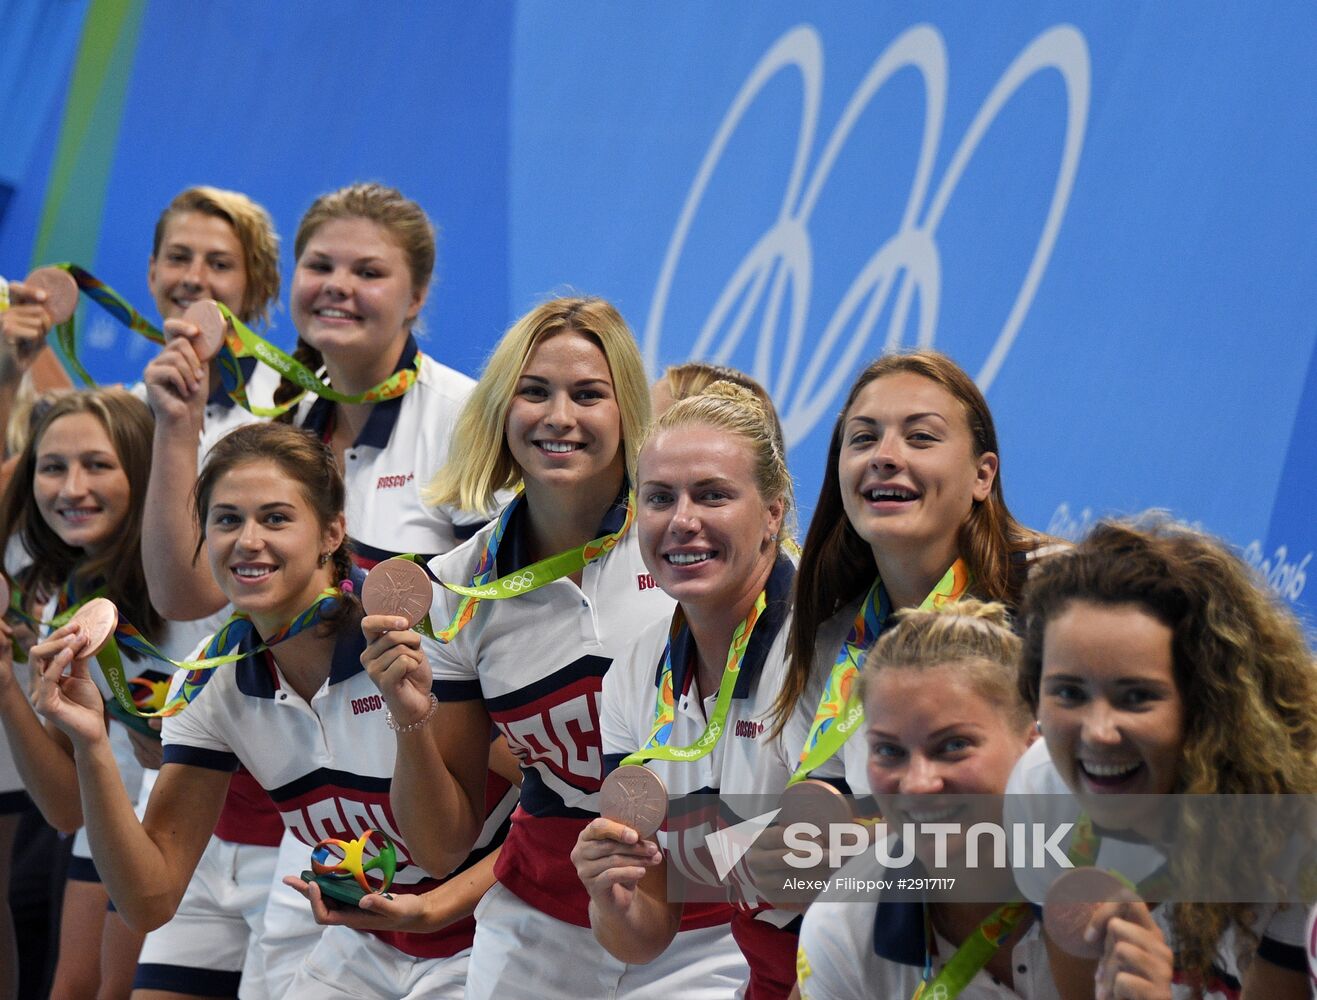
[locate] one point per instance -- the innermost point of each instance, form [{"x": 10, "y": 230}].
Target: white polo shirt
[
  {"x": 327, "y": 764},
  {"x": 538, "y": 663},
  {"x": 869, "y": 948},
  {"x": 1037, "y": 792},
  {"x": 403, "y": 445},
  {"x": 743, "y": 762}
]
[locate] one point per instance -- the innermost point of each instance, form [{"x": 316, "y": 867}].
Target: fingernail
[
  {"x": 399, "y": 624},
  {"x": 1090, "y": 934}
]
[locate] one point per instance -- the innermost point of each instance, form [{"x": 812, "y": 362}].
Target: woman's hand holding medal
[
  {"x": 178, "y": 378},
  {"x": 611, "y": 859},
  {"x": 396, "y": 596},
  {"x": 71, "y": 700}
]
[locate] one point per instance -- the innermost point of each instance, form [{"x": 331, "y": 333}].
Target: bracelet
[{"x": 420, "y": 723}]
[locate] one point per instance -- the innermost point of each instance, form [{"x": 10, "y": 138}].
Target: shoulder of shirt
[
  {"x": 1035, "y": 773},
  {"x": 457, "y": 564},
  {"x": 439, "y": 378}
]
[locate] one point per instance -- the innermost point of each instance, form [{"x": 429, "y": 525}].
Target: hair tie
[{"x": 345, "y": 586}]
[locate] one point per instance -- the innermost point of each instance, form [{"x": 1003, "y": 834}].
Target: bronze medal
[
  {"x": 1071, "y": 902},
  {"x": 636, "y": 797},
  {"x": 813, "y": 801},
  {"x": 4, "y": 596},
  {"x": 398, "y": 587},
  {"x": 98, "y": 618},
  {"x": 61, "y": 292},
  {"x": 206, "y": 317}
]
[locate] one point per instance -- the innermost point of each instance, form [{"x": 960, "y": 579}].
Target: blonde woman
[{"x": 559, "y": 412}]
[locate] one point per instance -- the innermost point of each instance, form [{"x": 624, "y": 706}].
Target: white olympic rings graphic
[
  {"x": 516, "y": 584},
  {"x": 909, "y": 262}
]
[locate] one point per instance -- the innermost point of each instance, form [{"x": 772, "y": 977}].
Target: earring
[
  {"x": 324, "y": 558},
  {"x": 1039, "y": 727}
]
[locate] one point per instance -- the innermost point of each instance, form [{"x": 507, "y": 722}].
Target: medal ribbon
[
  {"x": 656, "y": 747},
  {"x": 109, "y": 300},
  {"x": 839, "y": 713},
  {"x": 234, "y": 631},
  {"x": 66, "y": 607},
  {"x": 242, "y": 341},
  {"x": 1084, "y": 847},
  {"x": 971, "y": 956},
  {"x": 532, "y": 577}
]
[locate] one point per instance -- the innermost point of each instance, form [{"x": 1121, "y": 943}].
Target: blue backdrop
[{"x": 1105, "y": 213}]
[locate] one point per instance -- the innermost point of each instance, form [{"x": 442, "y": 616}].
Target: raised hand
[
  {"x": 1136, "y": 961},
  {"x": 64, "y": 691},
  {"x": 394, "y": 661},
  {"x": 177, "y": 381},
  {"x": 610, "y": 861}
]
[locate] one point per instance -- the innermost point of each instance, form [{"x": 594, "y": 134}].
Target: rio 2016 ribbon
[
  {"x": 973, "y": 954},
  {"x": 839, "y": 713},
  {"x": 68, "y": 604},
  {"x": 656, "y": 747},
  {"x": 109, "y": 300},
  {"x": 232, "y": 632},
  {"x": 523, "y": 581},
  {"x": 242, "y": 341},
  {"x": 346, "y": 859}
]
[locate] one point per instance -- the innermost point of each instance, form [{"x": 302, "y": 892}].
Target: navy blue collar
[
  {"x": 514, "y": 550},
  {"x": 777, "y": 604},
  {"x": 898, "y": 932},
  {"x": 221, "y": 398},
  {"x": 256, "y": 678},
  {"x": 383, "y": 415}
]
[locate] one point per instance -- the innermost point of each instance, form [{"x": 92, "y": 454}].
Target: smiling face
[
  {"x": 200, "y": 257},
  {"x": 907, "y": 469},
  {"x": 1109, "y": 707},
  {"x": 352, "y": 296},
  {"x": 931, "y": 734},
  {"x": 264, "y": 543},
  {"x": 80, "y": 485},
  {"x": 563, "y": 426},
  {"x": 706, "y": 534}
]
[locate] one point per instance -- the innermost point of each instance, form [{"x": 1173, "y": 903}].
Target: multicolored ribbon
[
  {"x": 522, "y": 581},
  {"x": 109, "y": 300},
  {"x": 1085, "y": 843},
  {"x": 656, "y": 747},
  {"x": 973, "y": 954},
  {"x": 233, "y": 632},
  {"x": 67, "y": 604},
  {"x": 839, "y": 712},
  {"x": 242, "y": 341}
]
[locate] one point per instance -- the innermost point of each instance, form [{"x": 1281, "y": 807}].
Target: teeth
[
  {"x": 558, "y": 447},
  {"x": 250, "y": 571},
  {"x": 891, "y": 494},
  {"x": 334, "y": 314},
  {"x": 934, "y": 816},
  {"x": 76, "y": 515},
  {"x": 1108, "y": 770},
  {"x": 688, "y": 558}
]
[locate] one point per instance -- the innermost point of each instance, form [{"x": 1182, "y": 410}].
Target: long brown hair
[
  {"x": 129, "y": 426},
  {"x": 837, "y": 565},
  {"x": 1241, "y": 666},
  {"x": 405, "y": 222}
]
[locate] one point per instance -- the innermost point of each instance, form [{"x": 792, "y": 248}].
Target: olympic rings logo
[
  {"x": 516, "y": 584},
  {"x": 775, "y": 277}
]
